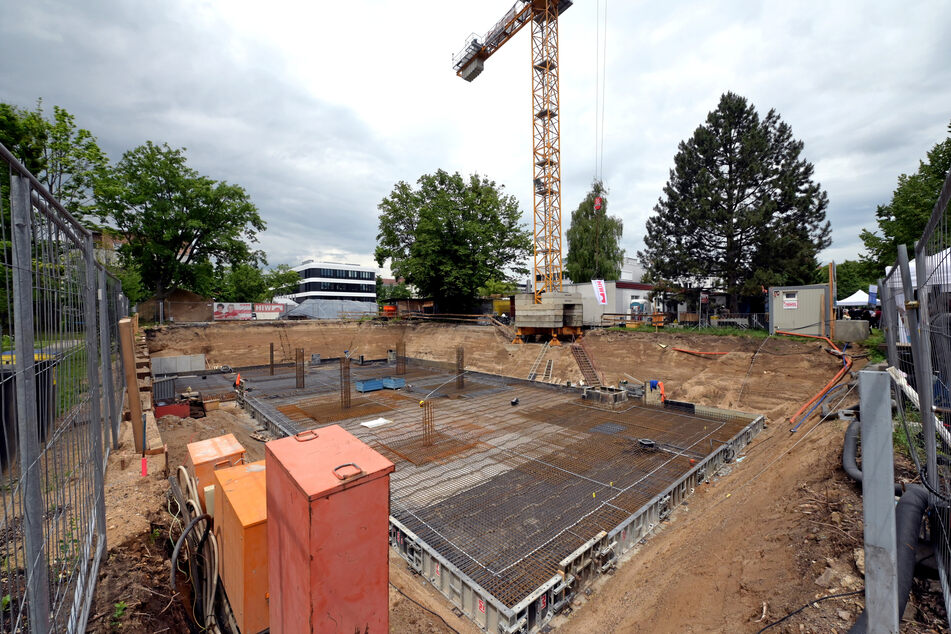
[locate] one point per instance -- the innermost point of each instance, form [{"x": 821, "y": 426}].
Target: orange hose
[
  {"x": 697, "y": 351},
  {"x": 830, "y": 384}
]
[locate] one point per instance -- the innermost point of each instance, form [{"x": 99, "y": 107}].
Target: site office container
[
  {"x": 241, "y": 529},
  {"x": 205, "y": 456},
  {"x": 328, "y": 499}
]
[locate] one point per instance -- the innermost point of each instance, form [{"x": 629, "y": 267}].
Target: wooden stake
[{"x": 127, "y": 346}]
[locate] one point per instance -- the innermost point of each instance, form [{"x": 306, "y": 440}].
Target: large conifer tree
[
  {"x": 740, "y": 206},
  {"x": 593, "y": 237}
]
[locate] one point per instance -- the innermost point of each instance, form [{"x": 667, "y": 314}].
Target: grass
[{"x": 875, "y": 339}]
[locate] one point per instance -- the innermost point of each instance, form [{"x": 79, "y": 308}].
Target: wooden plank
[{"x": 127, "y": 349}]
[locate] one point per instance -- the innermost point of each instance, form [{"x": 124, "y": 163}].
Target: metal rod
[
  {"x": 37, "y": 560},
  {"x": 95, "y": 400},
  {"x": 925, "y": 373},
  {"x": 105, "y": 359}
]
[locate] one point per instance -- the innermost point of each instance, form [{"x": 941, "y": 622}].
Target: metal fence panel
[
  {"x": 60, "y": 401},
  {"x": 933, "y": 293}
]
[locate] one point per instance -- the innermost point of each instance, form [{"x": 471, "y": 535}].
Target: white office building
[{"x": 332, "y": 280}]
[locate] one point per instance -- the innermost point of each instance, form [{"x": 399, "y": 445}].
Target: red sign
[
  {"x": 600, "y": 293},
  {"x": 482, "y": 606},
  {"x": 597, "y": 204}
]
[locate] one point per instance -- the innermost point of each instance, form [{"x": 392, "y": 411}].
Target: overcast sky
[{"x": 319, "y": 108}]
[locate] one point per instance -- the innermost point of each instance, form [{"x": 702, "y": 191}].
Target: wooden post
[
  {"x": 127, "y": 346},
  {"x": 272, "y": 359},
  {"x": 832, "y": 300}
]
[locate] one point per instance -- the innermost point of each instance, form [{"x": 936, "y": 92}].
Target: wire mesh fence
[
  {"x": 916, "y": 318},
  {"x": 61, "y": 390}
]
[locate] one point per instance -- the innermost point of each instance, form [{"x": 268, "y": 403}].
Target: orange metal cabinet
[
  {"x": 204, "y": 456},
  {"x": 241, "y": 528},
  {"x": 328, "y": 506}
]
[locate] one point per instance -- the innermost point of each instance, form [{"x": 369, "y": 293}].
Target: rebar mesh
[
  {"x": 505, "y": 492},
  {"x": 61, "y": 388}
]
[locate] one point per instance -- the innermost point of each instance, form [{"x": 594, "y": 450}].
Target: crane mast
[{"x": 546, "y": 145}]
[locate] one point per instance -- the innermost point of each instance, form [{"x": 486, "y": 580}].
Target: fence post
[
  {"x": 889, "y": 321},
  {"x": 37, "y": 562},
  {"x": 922, "y": 362},
  {"x": 105, "y": 359},
  {"x": 924, "y": 349},
  {"x": 878, "y": 502},
  {"x": 95, "y": 394}
]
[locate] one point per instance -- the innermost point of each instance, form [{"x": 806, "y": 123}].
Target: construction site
[
  {"x": 516, "y": 501},
  {"x": 409, "y": 472}
]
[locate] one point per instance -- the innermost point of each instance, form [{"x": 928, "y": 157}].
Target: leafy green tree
[
  {"x": 131, "y": 281},
  {"x": 386, "y": 293},
  {"x": 67, "y": 160},
  {"x": 740, "y": 206},
  {"x": 903, "y": 219},
  {"x": 177, "y": 224},
  {"x": 594, "y": 252},
  {"x": 250, "y": 283},
  {"x": 850, "y": 276},
  {"x": 451, "y": 235},
  {"x": 496, "y": 287}
]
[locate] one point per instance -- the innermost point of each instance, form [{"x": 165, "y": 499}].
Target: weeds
[{"x": 119, "y": 612}]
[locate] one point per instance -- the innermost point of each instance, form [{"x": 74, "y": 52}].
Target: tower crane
[{"x": 546, "y": 147}]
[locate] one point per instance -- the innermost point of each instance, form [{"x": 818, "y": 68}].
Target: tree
[
  {"x": 250, "y": 283},
  {"x": 740, "y": 207},
  {"x": 177, "y": 225},
  {"x": 450, "y": 235},
  {"x": 850, "y": 276},
  {"x": 903, "y": 219},
  {"x": 385, "y": 294},
  {"x": 496, "y": 287},
  {"x": 593, "y": 237},
  {"x": 67, "y": 160}
]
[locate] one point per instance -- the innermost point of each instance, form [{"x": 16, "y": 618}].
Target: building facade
[{"x": 332, "y": 280}]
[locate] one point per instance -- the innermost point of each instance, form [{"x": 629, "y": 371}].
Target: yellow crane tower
[{"x": 546, "y": 148}]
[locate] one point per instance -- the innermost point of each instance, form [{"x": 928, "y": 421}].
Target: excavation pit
[{"x": 521, "y": 492}]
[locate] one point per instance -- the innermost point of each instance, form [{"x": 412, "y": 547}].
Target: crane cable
[{"x": 600, "y": 81}]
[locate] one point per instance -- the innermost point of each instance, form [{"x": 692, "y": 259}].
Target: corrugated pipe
[
  {"x": 845, "y": 368},
  {"x": 911, "y": 507}
]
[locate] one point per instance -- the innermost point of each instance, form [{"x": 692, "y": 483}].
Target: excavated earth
[{"x": 775, "y": 530}]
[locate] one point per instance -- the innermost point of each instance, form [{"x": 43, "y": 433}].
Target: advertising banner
[
  {"x": 231, "y": 311},
  {"x": 600, "y": 293},
  {"x": 872, "y": 292},
  {"x": 269, "y": 308}
]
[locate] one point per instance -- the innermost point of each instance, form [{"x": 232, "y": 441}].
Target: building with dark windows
[{"x": 331, "y": 280}]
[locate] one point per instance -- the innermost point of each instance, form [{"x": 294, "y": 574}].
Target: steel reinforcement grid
[
  {"x": 61, "y": 392},
  {"x": 510, "y": 509},
  {"x": 916, "y": 318}
]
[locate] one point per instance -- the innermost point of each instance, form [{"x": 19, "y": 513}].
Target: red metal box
[{"x": 328, "y": 506}]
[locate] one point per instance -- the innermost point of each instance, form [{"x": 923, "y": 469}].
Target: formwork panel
[{"x": 509, "y": 510}]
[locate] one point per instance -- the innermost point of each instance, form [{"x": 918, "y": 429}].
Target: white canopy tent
[{"x": 858, "y": 298}]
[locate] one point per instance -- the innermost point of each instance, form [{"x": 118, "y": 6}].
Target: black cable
[
  {"x": 791, "y": 614},
  {"x": 425, "y": 608},
  {"x": 181, "y": 540}
]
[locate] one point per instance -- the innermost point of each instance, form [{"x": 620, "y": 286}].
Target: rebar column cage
[
  {"x": 428, "y": 428},
  {"x": 460, "y": 367},
  {"x": 344, "y": 383},
  {"x": 299, "y": 365},
  {"x": 401, "y": 358},
  {"x": 546, "y": 149}
]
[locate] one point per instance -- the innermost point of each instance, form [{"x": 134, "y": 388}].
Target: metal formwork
[{"x": 509, "y": 510}]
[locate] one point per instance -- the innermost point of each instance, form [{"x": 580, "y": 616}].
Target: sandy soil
[{"x": 776, "y": 529}]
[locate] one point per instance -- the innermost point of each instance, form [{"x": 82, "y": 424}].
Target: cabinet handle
[
  {"x": 349, "y": 464},
  {"x": 304, "y": 436}
]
